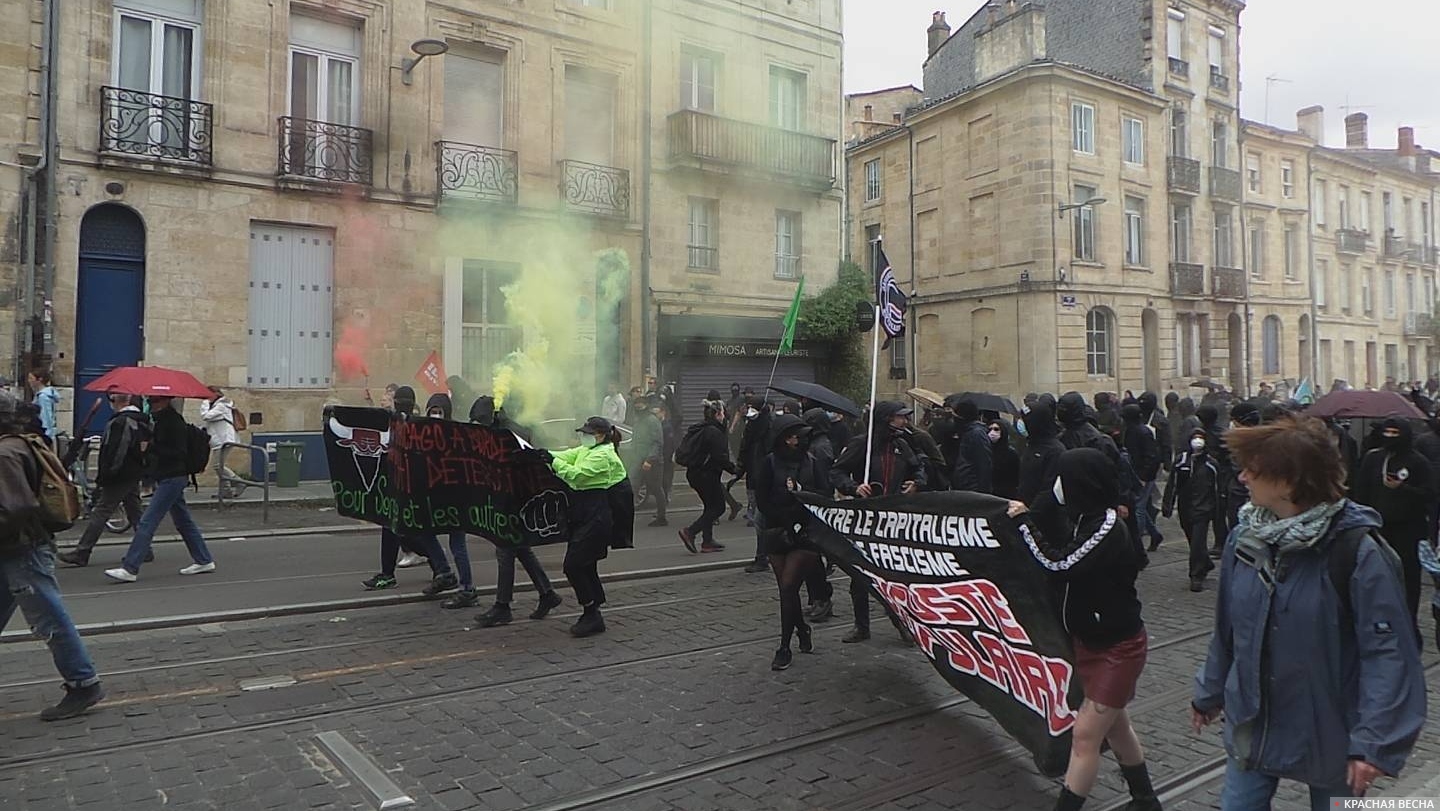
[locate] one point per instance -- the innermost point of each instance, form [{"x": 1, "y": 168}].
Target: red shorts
[{"x": 1109, "y": 675}]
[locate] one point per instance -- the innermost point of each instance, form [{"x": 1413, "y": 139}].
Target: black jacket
[
  {"x": 168, "y": 453},
  {"x": 820, "y": 447},
  {"x": 1428, "y": 446},
  {"x": 893, "y": 463},
  {"x": 1194, "y": 487},
  {"x": 1040, "y": 463},
  {"x": 1404, "y": 508},
  {"x": 715, "y": 449},
  {"x": 121, "y": 459},
  {"x": 774, "y": 500},
  {"x": 1006, "y": 469},
  {"x": 974, "y": 463},
  {"x": 1144, "y": 451},
  {"x": 1160, "y": 427},
  {"x": 936, "y": 477},
  {"x": 1084, "y": 435},
  {"x": 755, "y": 441}
]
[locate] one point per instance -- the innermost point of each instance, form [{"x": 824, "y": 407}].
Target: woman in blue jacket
[{"x": 1320, "y": 682}]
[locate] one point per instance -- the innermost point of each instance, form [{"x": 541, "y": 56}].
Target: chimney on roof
[
  {"x": 896, "y": 118},
  {"x": 1311, "y": 122},
  {"x": 869, "y": 112},
  {"x": 1407, "y": 142},
  {"x": 938, "y": 32},
  {"x": 1357, "y": 131}
]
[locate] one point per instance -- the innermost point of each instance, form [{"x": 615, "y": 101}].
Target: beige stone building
[
  {"x": 274, "y": 196},
  {"x": 877, "y": 111}
]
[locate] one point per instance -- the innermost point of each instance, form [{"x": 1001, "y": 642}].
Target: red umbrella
[
  {"x": 151, "y": 381},
  {"x": 1373, "y": 404}
]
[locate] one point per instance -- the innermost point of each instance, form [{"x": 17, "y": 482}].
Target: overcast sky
[{"x": 1378, "y": 57}]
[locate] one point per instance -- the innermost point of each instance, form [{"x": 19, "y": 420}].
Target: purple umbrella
[{"x": 1372, "y": 404}]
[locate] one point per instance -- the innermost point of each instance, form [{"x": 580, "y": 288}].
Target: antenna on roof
[{"x": 1270, "y": 80}]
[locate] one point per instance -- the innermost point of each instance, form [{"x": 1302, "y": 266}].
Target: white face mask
[
  {"x": 994, "y": 436},
  {"x": 1197, "y": 444},
  {"x": 751, "y": 413},
  {"x": 589, "y": 440},
  {"x": 1059, "y": 491}
]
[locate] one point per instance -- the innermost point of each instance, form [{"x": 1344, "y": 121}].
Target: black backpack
[
  {"x": 691, "y": 450},
  {"x": 197, "y": 449},
  {"x": 1344, "y": 548}
]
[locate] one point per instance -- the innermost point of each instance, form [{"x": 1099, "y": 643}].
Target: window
[
  {"x": 486, "y": 336},
  {"x": 1411, "y": 301},
  {"x": 589, "y": 115},
  {"x": 1408, "y": 223},
  {"x": 1084, "y": 225},
  {"x": 1389, "y": 293},
  {"x": 1252, "y": 172},
  {"x": 1429, "y": 285},
  {"x": 697, "y": 80},
  {"x": 1099, "y": 325},
  {"x": 1365, "y": 224},
  {"x": 1318, "y": 203},
  {"x": 1175, "y": 33},
  {"x": 474, "y": 98},
  {"x": 1322, "y": 282},
  {"x": 787, "y": 245},
  {"x": 1219, "y": 144},
  {"x": 1082, "y": 128},
  {"x": 787, "y": 98},
  {"x": 1367, "y": 300},
  {"x": 1344, "y": 284},
  {"x": 159, "y": 56},
  {"x": 872, "y": 248},
  {"x": 1217, "y": 51},
  {"x": 1287, "y": 179},
  {"x": 1181, "y": 224},
  {"x": 1387, "y": 206},
  {"x": 1179, "y": 133},
  {"x": 1342, "y": 195},
  {"x": 704, "y": 253},
  {"x": 898, "y": 361},
  {"x": 603, "y": 5},
  {"x": 324, "y": 58},
  {"x": 1189, "y": 329},
  {"x": 872, "y": 180},
  {"x": 1133, "y": 135},
  {"x": 1257, "y": 249},
  {"x": 1270, "y": 345},
  {"x": 1292, "y": 251},
  {"x": 291, "y": 307},
  {"x": 1134, "y": 231},
  {"x": 1224, "y": 238},
  {"x": 1425, "y": 223}
]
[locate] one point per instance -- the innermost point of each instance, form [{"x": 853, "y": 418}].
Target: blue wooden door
[{"x": 110, "y": 304}]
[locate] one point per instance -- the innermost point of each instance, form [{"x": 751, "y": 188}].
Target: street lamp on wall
[
  {"x": 422, "y": 49},
  {"x": 1067, "y": 207}
]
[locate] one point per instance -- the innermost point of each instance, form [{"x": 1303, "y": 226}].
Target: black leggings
[
  {"x": 706, "y": 484},
  {"x": 582, "y": 569},
  {"x": 790, "y": 570}
]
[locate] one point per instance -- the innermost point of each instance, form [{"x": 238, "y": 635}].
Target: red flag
[{"x": 432, "y": 374}]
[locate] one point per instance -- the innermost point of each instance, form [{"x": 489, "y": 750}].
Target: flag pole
[
  {"x": 773, "y": 367},
  {"x": 874, "y": 383}
]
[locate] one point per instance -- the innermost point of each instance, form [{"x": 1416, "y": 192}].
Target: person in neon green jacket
[{"x": 591, "y": 470}]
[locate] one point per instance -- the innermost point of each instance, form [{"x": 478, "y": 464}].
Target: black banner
[
  {"x": 958, "y": 574},
  {"x": 419, "y": 476}
]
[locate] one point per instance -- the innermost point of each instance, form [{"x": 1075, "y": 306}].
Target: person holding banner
[
  {"x": 1085, "y": 547},
  {"x": 590, "y": 470},
  {"x": 788, "y": 469}
]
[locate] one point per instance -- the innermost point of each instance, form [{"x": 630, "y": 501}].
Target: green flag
[{"x": 787, "y": 339}]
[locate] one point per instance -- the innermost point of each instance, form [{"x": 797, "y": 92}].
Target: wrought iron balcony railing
[
  {"x": 1224, "y": 184},
  {"x": 710, "y": 141},
  {"x": 595, "y": 189},
  {"x": 1415, "y": 252},
  {"x": 1227, "y": 283},
  {"x": 1418, "y": 325},
  {"x": 325, "y": 151},
  {"x": 1350, "y": 240},
  {"x": 1179, "y": 67},
  {"x": 148, "y": 125},
  {"x": 477, "y": 172},
  {"x": 1187, "y": 279},
  {"x": 704, "y": 258},
  {"x": 1394, "y": 248},
  {"x": 1183, "y": 174},
  {"x": 1218, "y": 80},
  {"x": 787, "y": 267},
  {"x": 1431, "y": 256}
]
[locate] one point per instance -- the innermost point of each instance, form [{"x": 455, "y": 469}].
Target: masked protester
[
  {"x": 1040, "y": 463},
  {"x": 1092, "y": 563},
  {"x": 817, "y": 443},
  {"x": 441, "y": 407},
  {"x": 1395, "y": 481},
  {"x": 1078, "y": 431},
  {"x": 1194, "y": 487},
  {"x": 786, "y": 470},
  {"x": 754, "y": 446},
  {"x": 974, "y": 468},
  {"x": 703, "y": 474},
  {"x": 1006, "y": 462}
]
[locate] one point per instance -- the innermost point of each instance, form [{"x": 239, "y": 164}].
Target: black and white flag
[{"x": 890, "y": 299}]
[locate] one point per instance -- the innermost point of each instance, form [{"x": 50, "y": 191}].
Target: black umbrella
[
  {"x": 987, "y": 402},
  {"x": 817, "y": 394}
]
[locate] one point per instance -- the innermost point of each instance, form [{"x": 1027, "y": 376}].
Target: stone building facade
[{"x": 283, "y": 197}]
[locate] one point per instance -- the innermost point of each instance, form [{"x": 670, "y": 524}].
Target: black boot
[
  {"x": 1142, "y": 792},
  {"x": 590, "y": 622},
  {"x": 1069, "y": 800}
]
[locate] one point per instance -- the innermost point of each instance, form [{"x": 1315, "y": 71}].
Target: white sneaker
[
  {"x": 199, "y": 568},
  {"x": 122, "y": 575},
  {"x": 410, "y": 559}
]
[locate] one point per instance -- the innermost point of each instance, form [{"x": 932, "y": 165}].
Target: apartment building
[{"x": 241, "y": 189}]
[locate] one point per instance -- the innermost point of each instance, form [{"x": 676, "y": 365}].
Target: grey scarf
[{"x": 1264, "y": 541}]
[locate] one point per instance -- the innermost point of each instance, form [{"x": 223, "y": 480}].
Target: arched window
[
  {"x": 1099, "y": 342},
  {"x": 1270, "y": 345}
]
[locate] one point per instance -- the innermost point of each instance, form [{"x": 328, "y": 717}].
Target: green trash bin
[{"x": 287, "y": 463}]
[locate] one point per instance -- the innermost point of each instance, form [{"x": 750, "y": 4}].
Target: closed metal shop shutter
[{"x": 699, "y": 375}]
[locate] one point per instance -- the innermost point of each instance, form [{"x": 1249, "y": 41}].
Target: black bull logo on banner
[
  {"x": 419, "y": 476},
  {"x": 956, "y": 572}
]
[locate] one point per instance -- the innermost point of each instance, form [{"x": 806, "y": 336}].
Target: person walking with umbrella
[
  {"x": 1395, "y": 480},
  {"x": 122, "y": 464}
]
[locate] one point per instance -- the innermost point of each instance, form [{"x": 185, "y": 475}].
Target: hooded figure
[
  {"x": 1006, "y": 470},
  {"x": 1080, "y": 432},
  {"x": 1040, "y": 463},
  {"x": 439, "y": 405},
  {"x": 1395, "y": 480},
  {"x": 974, "y": 468},
  {"x": 1194, "y": 487},
  {"x": 783, "y": 464},
  {"x": 404, "y": 400},
  {"x": 892, "y": 463},
  {"x": 820, "y": 445},
  {"x": 1159, "y": 426}
]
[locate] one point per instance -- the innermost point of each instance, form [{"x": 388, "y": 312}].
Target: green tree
[{"x": 829, "y": 317}]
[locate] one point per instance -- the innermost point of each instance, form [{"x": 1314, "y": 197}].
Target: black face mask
[{"x": 1392, "y": 442}]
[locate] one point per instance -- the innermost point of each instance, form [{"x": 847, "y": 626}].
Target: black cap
[{"x": 595, "y": 425}]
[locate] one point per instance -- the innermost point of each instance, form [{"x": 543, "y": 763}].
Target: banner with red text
[
  {"x": 419, "y": 476},
  {"x": 954, "y": 570}
]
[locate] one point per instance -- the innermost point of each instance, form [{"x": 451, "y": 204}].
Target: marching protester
[
  {"x": 122, "y": 464},
  {"x": 894, "y": 468},
  {"x": 705, "y": 453},
  {"x": 441, "y": 407},
  {"x": 1080, "y": 432},
  {"x": 1397, "y": 482},
  {"x": 788, "y": 469},
  {"x": 1040, "y": 463},
  {"x": 1159, "y": 426},
  {"x": 1318, "y": 683},
  {"x": 218, "y": 414},
  {"x": 974, "y": 468},
  {"x": 1194, "y": 486},
  {"x": 169, "y": 467},
  {"x": 1006, "y": 467},
  {"x": 647, "y": 467},
  {"x": 754, "y": 445},
  {"x": 27, "y": 569},
  {"x": 590, "y": 470},
  {"x": 1092, "y": 562},
  {"x": 817, "y": 443},
  {"x": 1146, "y": 460}
]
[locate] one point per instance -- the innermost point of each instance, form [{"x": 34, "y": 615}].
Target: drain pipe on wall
[
  {"x": 47, "y": 171},
  {"x": 649, "y": 359}
]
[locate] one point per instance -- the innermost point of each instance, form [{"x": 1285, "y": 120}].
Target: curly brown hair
[{"x": 1299, "y": 451}]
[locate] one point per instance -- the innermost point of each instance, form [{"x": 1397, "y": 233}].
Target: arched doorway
[
  {"x": 109, "y": 301},
  {"x": 1150, "y": 348},
  {"x": 1306, "y": 361},
  {"x": 1235, "y": 334}
]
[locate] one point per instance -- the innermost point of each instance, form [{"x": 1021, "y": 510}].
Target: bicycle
[{"x": 76, "y": 454}]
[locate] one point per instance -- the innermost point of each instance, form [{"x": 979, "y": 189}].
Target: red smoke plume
[{"x": 350, "y": 351}]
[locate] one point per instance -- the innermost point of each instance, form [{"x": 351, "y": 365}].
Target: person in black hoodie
[
  {"x": 1040, "y": 463},
  {"x": 1395, "y": 480},
  {"x": 711, "y": 458},
  {"x": 1006, "y": 469},
  {"x": 1194, "y": 487},
  {"x": 822, "y": 450},
  {"x": 122, "y": 463},
  {"x": 788, "y": 469},
  {"x": 1146, "y": 460},
  {"x": 974, "y": 468},
  {"x": 894, "y": 468},
  {"x": 440, "y": 407},
  {"x": 754, "y": 447},
  {"x": 1079, "y": 432},
  {"x": 1427, "y": 444},
  {"x": 1092, "y": 563},
  {"x": 1237, "y": 495}
]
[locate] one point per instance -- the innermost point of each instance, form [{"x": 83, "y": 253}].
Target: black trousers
[
  {"x": 706, "y": 484},
  {"x": 582, "y": 569},
  {"x": 113, "y": 495},
  {"x": 817, "y": 585},
  {"x": 1408, "y": 548},
  {"x": 1197, "y": 532},
  {"x": 654, "y": 480},
  {"x": 860, "y": 602}
]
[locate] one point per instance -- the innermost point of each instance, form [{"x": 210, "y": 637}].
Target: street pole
[{"x": 874, "y": 381}]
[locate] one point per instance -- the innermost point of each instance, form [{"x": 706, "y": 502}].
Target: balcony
[
  {"x": 705, "y": 141},
  {"x": 787, "y": 267},
  {"x": 1394, "y": 248},
  {"x": 1418, "y": 325},
  {"x": 1179, "y": 67},
  {"x": 1224, "y": 184},
  {"x": 1219, "y": 81},
  {"x": 1227, "y": 283},
  {"x": 595, "y": 189},
  {"x": 1431, "y": 256},
  {"x": 1351, "y": 240},
  {"x": 319, "y": 150},
  {"x": 1187, "y": 279},
  {"x": 472, "y": 172},
  {"x": 704, "y": 258},
  {"x": 1415, "y": 252},
  {"x": 146, "y": 125},
  {"x": 1183, "y": 174}
]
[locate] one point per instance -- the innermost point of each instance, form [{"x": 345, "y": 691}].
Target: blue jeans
[
  {"x": 505, "y": 567},
  {"x": 1253, "y": 791},
  {"x": 169, "y": 498},
  {"x": 28, "y": 580},
  {"x": 461, "y": 553},
  {"x": 1143, "y": 515},
  {"x": 427, "y": 545}
]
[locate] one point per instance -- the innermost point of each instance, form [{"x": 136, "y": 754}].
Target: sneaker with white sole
[
  {"x": 410, "y": 559},
  {"x": 199, "y": 568},
  {"x": 122, "y": 575}
]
